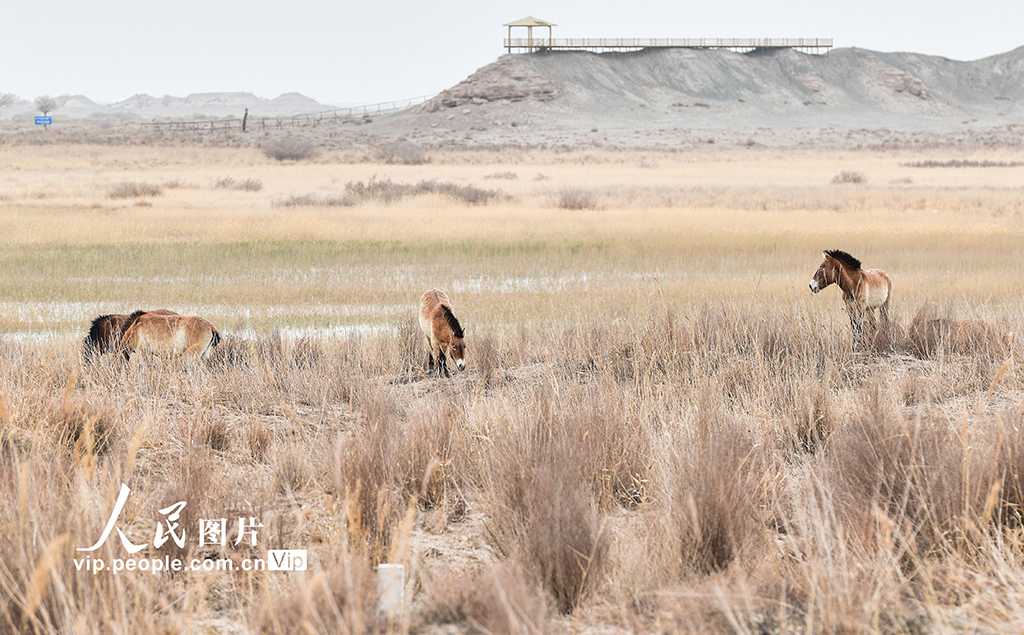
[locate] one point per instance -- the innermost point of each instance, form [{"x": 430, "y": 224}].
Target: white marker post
[{"x": 391, "y": 590}]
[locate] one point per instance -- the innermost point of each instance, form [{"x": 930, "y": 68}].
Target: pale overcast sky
[{"x": 364, "y": 52}]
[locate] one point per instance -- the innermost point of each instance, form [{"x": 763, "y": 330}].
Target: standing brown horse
[
  {"x": 106, "y": 331},
  {"x": 168, "y": 335},
  {"x": 864, "y": 290},
  {"x": 444, "y": 334}
]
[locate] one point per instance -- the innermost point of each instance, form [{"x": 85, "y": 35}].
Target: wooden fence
[{"x": 252, "y": 123}]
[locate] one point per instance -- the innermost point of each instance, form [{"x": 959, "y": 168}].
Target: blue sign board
[{"x": 44, "y": 121}]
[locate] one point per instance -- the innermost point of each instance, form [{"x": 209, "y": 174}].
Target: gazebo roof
[{"x": 530, "y": 21}]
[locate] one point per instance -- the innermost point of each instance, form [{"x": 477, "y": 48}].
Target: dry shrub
[
  {"x": 929, "y": 335},
  {"x": 980, "y": 338},
  {"x": 714, "y": 481},
  {"x": 290, "y": 148},
  {"x": 382, "y": 190},
  {"x": 131, "y": 189},
  {"x": 504, "y": 176},
  {"x": 214, "y": 433},
  {"x": 192, "y": 480},
  {"x": 888, "y": 337},
  {"x": 496, "y": 600},
  {"x": 941, "y": 488},
  {"x": 387, "y": 191},
  {"x": 908, "y": 471},
  {"x": 962, "y": 163},
  {"x": 1005, "y": 456},
  {"x": 247, "y": 185},
  {"x": 466, "y": 193},
  {"x": 543, "y": 511},
  {"x": 389, "y": 464},
  {"x": 308, "y": 352},
  {"x": 48, "y": 510},
  {"x": 268, "y": 350},
  {"x": 846, "y": 176},
  {"x": 258, "y": 438},
  {"x": 618, "y": 446},
  {"x": 340, "y": 599},
  {"x": 232, "y": 352},
  {"x": 577, "y": 199},
  {"x": 312, "y": 200},
  {"x": 291, "y": 469},
  {"x": 401, "y": 152},
  {"x": 924, "y": 335},
  {"x": 429, "y": 460},
  {"x": 83, "y": 425},
  {"x": 813, "y": 417},
  {"x": 917, "y": 388},
  {"x": 562, "y": 539},
  {"x": 487, "y": 358},
  {"x": 412, "y": 350}
]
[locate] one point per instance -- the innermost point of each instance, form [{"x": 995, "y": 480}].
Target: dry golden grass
[{"x": 661, "y": 429}]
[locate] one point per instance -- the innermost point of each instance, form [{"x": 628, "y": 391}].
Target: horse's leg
[
  {"x": 883, "y": 313},
  {"x": 857, "y": 325},
  {"x": 869, "y": 317},
  {"x": 430, "y": 357},
  {"x": 442, "y": 362}
]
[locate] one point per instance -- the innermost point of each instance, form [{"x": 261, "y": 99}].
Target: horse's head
[
  {"x": 828, "y": 273},
  {"x": 457, "y": 351}
]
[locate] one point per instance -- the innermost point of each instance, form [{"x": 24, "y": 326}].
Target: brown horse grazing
[
  {"x": 106, "y": 331},
  {"x": 864, "y": 290},
  {"x": 445, "y": 337},
  {"x": 168, "y": 335}
]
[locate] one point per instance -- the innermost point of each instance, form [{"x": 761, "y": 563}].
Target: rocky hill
[{"x": 667, "y": 88}]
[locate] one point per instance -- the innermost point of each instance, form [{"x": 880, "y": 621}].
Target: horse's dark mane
[
  {"x": 452, "y": 322},
  {"x": 844, "y": 258},
  {"x": 131, "y": 320}
]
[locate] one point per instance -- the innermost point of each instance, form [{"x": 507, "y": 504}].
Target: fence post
[{"x": 390, "y": 590}]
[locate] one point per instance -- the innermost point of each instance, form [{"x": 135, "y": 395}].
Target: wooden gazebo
[{"x": 529, "y": 22}]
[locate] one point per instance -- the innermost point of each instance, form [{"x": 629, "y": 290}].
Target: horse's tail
[
  {"x": 98, "y": 335},
  {"x": 215, "y": 337}
]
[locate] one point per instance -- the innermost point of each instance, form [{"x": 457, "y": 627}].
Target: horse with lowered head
[
  {"x": 106, "y": 331},
  {"x": 864, "y": 290},
  {"x": 168, "y": 335},
  {"x": 445, "y": 337}
]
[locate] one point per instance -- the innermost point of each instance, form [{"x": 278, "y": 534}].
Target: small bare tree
[
  {"x": 6, "y": 99},
  {"x": 45, "y": 104}
]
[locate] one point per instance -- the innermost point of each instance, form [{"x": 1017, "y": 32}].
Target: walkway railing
[{"x": 596, "y": 44}]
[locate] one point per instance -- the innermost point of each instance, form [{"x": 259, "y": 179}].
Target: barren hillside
[{"x": 666, "y": 89}]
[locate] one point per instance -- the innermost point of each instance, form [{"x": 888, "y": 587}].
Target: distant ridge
[{"x": 143, "y": 106}]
